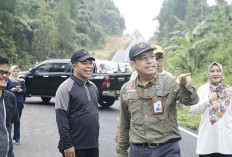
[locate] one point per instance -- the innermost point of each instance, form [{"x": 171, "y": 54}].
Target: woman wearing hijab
[
  {"x": 215, "y": 130},
  {"x": 17, "y": 86}
]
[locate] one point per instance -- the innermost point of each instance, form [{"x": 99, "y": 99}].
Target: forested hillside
[
  {"x": 34, "y": 30},
  {"x": 194, "y": 35}
]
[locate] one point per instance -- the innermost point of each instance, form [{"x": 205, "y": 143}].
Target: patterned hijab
[
  {"x": 12, "y": 78},
  {"x": 224, "y": 93}
]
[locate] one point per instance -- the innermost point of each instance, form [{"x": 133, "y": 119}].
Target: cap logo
[
  {"x": 141, "y": 45},
  {"x": 84, "y": 52}
]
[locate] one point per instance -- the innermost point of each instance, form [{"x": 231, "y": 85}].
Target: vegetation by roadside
[
  {"x": 187, "y": 118},
  {"x": 32, "y": 30}
]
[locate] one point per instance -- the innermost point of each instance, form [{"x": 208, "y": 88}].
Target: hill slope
[{"x": 114, "y": 44}]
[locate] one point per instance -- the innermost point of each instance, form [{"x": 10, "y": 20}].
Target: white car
[
  {"x": 111, "y": 67},
  {"x": 125, "y": 68}
]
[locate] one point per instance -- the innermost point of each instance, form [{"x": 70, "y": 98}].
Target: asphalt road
[{"x": 39, "y": 134}]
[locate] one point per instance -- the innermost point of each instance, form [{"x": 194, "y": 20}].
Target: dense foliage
[
  {"x": 195, "y": 36},
  {"x": 32, "y": 30}
]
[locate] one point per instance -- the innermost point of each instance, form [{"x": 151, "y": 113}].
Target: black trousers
[
  {"x": 85, "y": 152},
  {"x": 16, "y": 136},
  {"x": 215, "y": 155}
]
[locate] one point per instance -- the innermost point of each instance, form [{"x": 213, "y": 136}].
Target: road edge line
[{"x": 188, "y": 132}]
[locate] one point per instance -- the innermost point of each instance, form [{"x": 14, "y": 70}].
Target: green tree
[
  {"x": 189, "y": 51},
  {"x": 107, "y": 16},
  {"x": 136, "y": 34},
  {"x": 45, "y": 35},
  {"x": 66, "y": 30},
  {"x": 44, "y": 29},
  {"x": 8, "y": 5}
]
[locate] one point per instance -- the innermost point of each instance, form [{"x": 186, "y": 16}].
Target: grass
[{"x": 187, "y": 118}]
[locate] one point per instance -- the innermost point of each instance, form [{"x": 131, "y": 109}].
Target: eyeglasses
[
  {"x": 2, "y": 72},
  {"x": 145, "y": 57},
  {"x": 159, "y": 59}
]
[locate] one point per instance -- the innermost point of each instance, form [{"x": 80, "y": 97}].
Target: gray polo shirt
[{"x": 77, "y": 114}]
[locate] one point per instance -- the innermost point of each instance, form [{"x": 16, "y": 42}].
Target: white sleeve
[{"x": 203, "y": 93}]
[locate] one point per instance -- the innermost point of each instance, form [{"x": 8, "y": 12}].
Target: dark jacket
[
  {"x": 19, "y": 95},
  {"x": 11, "y": 108},
  {"x": 11, "y": 117}
]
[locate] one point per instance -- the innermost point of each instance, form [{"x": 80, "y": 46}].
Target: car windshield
[
  {"x": 107, "y": 65},
  {"x": 44, "y": 68}
]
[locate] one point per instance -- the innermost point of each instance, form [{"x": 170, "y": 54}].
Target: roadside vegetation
[
  {"x": 187, "y": 118},
  {"x": 35, "y": 30}
]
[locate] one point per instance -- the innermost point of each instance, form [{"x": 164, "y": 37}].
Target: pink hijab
[
  {"x": 224, "y": 92},
  {"x": 12, "y": 78}
]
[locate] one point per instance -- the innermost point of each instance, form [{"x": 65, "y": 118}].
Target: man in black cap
[
  {"x": 76, "y": 109},
  {"x": 145, "y": 130}
]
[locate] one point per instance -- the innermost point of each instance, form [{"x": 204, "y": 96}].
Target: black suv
[{"x": 44, "y": 79}]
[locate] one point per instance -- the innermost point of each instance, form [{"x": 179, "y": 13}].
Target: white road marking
[{"x": 188, "y": 132}]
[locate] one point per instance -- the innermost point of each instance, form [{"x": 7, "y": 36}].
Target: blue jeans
[
  {"x": 16, "y": 136},
  {"x": 165, "y": 150}
]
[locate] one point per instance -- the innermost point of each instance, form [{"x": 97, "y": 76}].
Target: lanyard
[{"x": 139, "y": 93}]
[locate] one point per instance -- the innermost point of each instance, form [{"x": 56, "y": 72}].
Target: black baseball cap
[
  {"x": 139, "y": 48},
  {"x": 81, "y": 55}
]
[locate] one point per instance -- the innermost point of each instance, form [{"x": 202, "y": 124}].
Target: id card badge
[{"x": 157, "y": 105}]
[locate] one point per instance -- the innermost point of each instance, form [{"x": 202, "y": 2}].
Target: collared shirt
[
  {"x": 216, "y": 138},
  {"x": 138, "y": 124},
  {"x": 77, "y": 117},
  {"x": 166, "y": 72}
]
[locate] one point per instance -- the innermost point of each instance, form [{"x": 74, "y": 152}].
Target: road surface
[{"x": 39, "y": 134}]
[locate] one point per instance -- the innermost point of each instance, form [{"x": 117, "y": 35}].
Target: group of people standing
[
  {"x": 148, "y": 116},
  {"x": 145, "y": 129}
]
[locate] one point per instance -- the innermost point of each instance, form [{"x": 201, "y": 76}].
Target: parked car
[
  {"x": 125, "y": 68},
  {"x": 44, "y": 79},
  {"x": 111, "y": 67},
  {"x": 114, "y": 66}
]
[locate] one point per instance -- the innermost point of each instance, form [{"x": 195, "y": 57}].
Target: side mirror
[{"x": 32, "y": 70}]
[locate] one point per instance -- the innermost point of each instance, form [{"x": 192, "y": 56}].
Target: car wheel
[
  {"x": 106, "y": 101},
  {"x": 46, "y": 99}
]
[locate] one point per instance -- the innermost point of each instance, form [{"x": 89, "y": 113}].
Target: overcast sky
[{"x": 139, "y": 14}]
